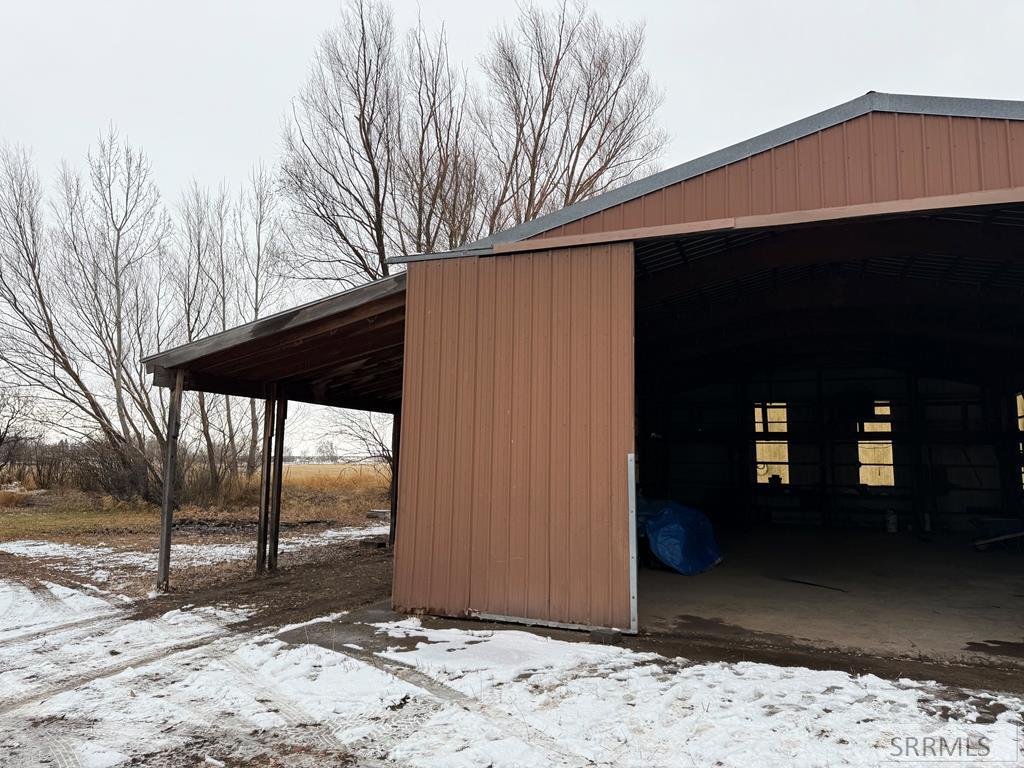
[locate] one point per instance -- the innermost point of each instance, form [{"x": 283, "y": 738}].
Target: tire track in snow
[
  {"x": 77, "y": 681},
  {"x": 87, "y": 623},
  {"x": 63, "y": 753},
  {"x": 295, "y": 717},
  {"x": 402, "y": 723}
]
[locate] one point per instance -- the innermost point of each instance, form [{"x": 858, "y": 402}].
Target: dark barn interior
[{"x": 842, "y": 401}]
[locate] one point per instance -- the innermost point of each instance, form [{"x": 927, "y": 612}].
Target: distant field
[
  {"x": 337, "y": 476},
  {"x": 338, "y": 494}
]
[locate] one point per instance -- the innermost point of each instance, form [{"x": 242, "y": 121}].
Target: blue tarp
[{"x": 680, "y": 537}]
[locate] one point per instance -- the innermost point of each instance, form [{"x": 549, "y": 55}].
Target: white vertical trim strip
[{"x": 634, "y": 622}]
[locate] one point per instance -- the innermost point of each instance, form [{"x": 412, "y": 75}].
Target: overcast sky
[{"x": 203, "y": 85}]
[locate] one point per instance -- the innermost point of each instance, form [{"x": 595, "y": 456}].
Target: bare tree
[
  {"x": 339, "y": 149},
  {"x": 326, "y": 452},
  {"x": 16, "y": 429},
  {"x": 78, "y": 300},
  {"x": 385, "y": 156},
  {"x": 227, "y": 270},
  {"x": 436, "y": 194},
  {"x": 199, "y": 284},
  {"x": 363, "y": 436},
  {"x": 260, "y": 247},
  {"x": 569, "y": 112}
]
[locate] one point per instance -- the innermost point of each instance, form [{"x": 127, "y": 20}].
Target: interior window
[
  {"x": 1020, "y": 428},
  {"x": 771, "y": 456},
  {"x": 874, "y": 448}
]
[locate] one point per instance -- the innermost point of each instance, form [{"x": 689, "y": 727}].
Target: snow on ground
[
  {"x": 81, "y": 559},
  {"x": 24, "y": 610},
  {"x": 611, "y": 706},
  {"x": 99, "y": 689}
]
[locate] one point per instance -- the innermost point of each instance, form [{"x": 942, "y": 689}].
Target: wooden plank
[{"x": 170, "y": 475}]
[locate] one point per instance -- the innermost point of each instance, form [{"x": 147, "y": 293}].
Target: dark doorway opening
[{"x": 842, "y": 401}]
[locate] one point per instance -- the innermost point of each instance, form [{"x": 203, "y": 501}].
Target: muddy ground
[{"x": 351, "y": 575}]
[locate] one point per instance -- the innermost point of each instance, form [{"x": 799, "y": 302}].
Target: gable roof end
[{"x": 872, "y": 101}]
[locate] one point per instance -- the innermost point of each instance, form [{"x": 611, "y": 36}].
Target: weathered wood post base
[{"x": 170, "y": 475}]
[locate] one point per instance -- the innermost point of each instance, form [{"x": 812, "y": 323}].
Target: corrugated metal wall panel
[
  {"x": 517, "y": 420},
  {"x": 874, "y": 158}
]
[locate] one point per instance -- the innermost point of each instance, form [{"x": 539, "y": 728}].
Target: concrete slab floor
[{"x": 888, "y": 595}]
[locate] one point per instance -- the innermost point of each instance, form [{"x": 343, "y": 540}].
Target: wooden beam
[
  {"x": 266, "y": 471},
  {"x": 170, "y": 474},
  {"x": 298, "y": 391},
  {"x": 275, "y": 504}
]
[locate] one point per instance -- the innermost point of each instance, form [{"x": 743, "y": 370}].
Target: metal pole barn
[{"x": 170, "y": 473}]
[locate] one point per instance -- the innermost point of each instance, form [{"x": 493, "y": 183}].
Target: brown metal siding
[
  {"x": 517, "y": 419},
  {"x": 874, "y": 158}
]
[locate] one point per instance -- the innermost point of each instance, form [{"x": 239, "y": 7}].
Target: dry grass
[
  {"x": 335, "y": 494},
  {"x": 14, "y": 499},
  {"x": 337, "y": 477},
  {"x": 72, "y": 515}
]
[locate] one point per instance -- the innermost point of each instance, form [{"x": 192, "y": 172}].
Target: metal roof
[
  {"x": 286, "y": 320},
  {"x": 344, "y": 350},
  {"x": 872, "y": 101}
]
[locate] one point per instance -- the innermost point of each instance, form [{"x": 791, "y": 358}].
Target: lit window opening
[
  {"x": 1020, "y": 428},
  {"x": 875, "y": 453},
  {"x": 771, "y": 456}
]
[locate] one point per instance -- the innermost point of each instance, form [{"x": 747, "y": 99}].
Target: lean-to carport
[{"x": 344, "y": 351}]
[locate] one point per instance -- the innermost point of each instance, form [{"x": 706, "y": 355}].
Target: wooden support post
[
  {"x": 170, "y": 473},
  {"x": 275, "y": 502},
  {"x": 396, "y": 435},
  {"x": 265, "y": 475}
]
